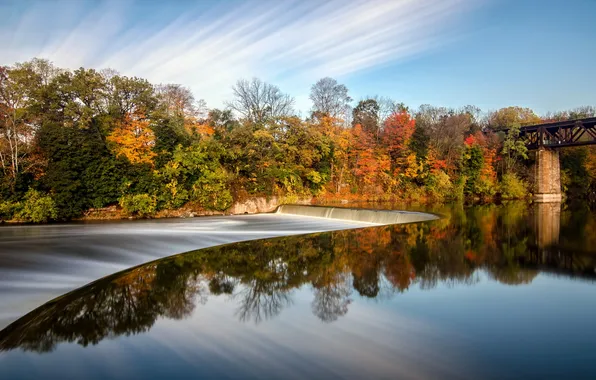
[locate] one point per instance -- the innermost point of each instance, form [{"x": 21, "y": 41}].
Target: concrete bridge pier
[
  {"x": 547, "y": 224},
  {"x": 547, "y": 176}
]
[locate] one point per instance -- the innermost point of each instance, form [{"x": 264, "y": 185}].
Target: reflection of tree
[
  {"x": 513, "y": 275},
  {"x": 222, "y": 284},
  {"x": 331, "y": 300},
  {"x": 261, "y": 301},
  {"x": 366, "y": 282},
  {"x": 127, "y": 304},
  {"x": 260, "y": 275}
]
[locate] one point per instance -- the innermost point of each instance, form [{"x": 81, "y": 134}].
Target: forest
[{"x": 74, "y": 141}]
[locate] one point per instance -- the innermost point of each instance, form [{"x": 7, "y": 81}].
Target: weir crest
[{"x": 357, "y": 215}]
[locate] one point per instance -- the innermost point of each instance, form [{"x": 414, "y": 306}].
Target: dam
[{"x": 357, "y": 215}]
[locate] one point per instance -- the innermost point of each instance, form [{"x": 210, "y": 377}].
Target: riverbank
[
  {"x": 252, "y": 205},
  {"x": 249, "y": 205}
]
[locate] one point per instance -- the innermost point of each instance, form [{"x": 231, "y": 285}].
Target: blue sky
[{"x": 490, "y": 53}]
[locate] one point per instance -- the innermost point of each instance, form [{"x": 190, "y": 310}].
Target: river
[{"x": 487, "y": 291}]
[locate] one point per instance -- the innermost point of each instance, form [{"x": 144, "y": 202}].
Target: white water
[{"x": 357, "y": 215}]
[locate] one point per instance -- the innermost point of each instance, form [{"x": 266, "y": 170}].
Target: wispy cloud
[{"x": 207, "y": 46}]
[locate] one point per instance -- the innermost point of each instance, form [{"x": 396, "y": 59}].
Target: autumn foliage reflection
[{"x": 343, "y": 267}]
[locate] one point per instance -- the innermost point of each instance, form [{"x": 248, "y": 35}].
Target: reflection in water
[{"x": 510, "y": 244}]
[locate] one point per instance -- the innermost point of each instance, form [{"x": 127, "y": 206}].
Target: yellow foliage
[{"x": 134, "y": 140}]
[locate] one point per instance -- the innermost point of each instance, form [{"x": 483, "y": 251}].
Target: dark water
[{"x": 497, "y": 292}]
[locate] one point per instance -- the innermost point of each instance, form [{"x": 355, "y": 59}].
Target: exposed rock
[{"x": 260, "y": 204}]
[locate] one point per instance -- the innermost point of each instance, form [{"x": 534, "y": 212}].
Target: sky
[{"x": 490, "y": 53}]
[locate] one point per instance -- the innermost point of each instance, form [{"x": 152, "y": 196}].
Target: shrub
[
  {"x": 485, "y": 187},
  {"x": 512, "y": 187},
  {"x": 288, "y": 199},
  {"x": 138, "y": 204},
  {"x": 173, "y": 195},
  {"x": 317, "y": 180},
  {"x": 459, "y": 187},
  {"x": 211, "y": 190},
  {"x": 439, "y": 186},
  {"x": 8, "y": 210},
  {"x": 37, "y": 208}
]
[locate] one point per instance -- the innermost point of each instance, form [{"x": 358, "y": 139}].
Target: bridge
[
  {"x": 546, "y": 139},
  {"x": 560, "y": 134}
]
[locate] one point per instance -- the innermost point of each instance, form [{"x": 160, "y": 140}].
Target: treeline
[{"x": 71, "y": 141}]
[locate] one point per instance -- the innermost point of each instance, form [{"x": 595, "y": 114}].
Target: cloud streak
[{"x": 209, "y": 45}]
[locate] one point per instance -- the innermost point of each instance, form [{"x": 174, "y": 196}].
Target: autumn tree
[
  {"x": 397, "y": 134},
  {"x": 509, "y": 116},
  {"x": 446, "y": 129},
  {"x": 369, "y": 164},
  {"x": 134, "y": 139},
  {"x": 478, "y": 167}
]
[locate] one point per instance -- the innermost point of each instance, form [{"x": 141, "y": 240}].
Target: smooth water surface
[{"x": 498, "y": 292}]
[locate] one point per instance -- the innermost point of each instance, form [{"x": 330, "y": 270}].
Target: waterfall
[{"x": 357, "y": 215}]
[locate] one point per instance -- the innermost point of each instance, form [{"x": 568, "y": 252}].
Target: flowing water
[{"x": 484, "y": 292}]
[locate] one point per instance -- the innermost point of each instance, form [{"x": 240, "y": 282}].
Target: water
[
  {"x": 357, "y": 214},
  {"x": 491, "y": 292}
]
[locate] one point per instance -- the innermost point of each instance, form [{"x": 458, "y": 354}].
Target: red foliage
[
  {"x": 398, "y": 131},
  {"x": 470, "y": 140}
]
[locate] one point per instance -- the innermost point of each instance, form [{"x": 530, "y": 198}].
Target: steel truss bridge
[{"x": 560, "y": 134}]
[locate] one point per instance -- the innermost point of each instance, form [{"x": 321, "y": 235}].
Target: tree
[
  {"x": 134, "y": 140},
  {"x": 16, "y": 129},
  {"x": 445, "y": 129},
  {"x": 369, "y": 165},
  {"x": 80, "y": 171},
  {"x": 177, "y": 100},
  {"x": 388, "y": 107},
  {"x": 222, "y": 121},
  {"x": 330, "y": 98},
  {"x": 129, "y": 95},
  {"x": 366, "y": 114},
  {"x": 509, "y": 116},
  {"x": 576, "y": 113},
  {"x": 514, "y": 148},
  {"x": 259, "y": 102},
  {"x": 397, "y": 134}
]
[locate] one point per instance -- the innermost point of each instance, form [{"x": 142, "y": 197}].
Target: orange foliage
[
  {"x": 397, "y": 134},
  {"x": 398, "y": 131},
  {"x": 434, "y": 163},
  {"x": 368, "y": 163},
  {"x": 193, "y": 126},
  {"x": 488, "y": 168},
  {"x": 134, "y": 139}
]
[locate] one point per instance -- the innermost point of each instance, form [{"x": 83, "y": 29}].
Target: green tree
[
  {"x": 514, "y": 148},
  {"x": 37, "y": 208}
]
